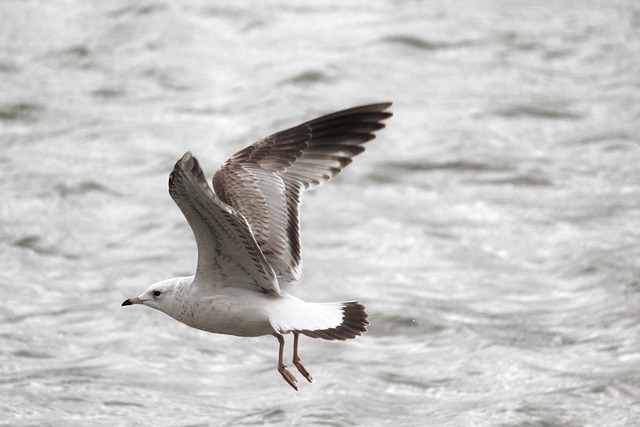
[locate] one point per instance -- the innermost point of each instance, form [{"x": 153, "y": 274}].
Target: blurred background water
[{"x": 492, "y": 229}]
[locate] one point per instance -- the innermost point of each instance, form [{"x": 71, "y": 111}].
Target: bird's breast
[{"x": 231, "y": 313}]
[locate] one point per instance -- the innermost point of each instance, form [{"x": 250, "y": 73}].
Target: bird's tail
[
  {"x": 354, "y": 323},
  {"x": 329, "y": 321}
]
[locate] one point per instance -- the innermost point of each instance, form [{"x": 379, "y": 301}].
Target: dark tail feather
[{"x": 354, "y": 323}]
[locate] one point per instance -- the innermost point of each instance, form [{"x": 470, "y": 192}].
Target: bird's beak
[{"x": 131, "y": 301}]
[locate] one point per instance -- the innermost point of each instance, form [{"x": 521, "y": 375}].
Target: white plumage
[{"x": 248, "y": 236}]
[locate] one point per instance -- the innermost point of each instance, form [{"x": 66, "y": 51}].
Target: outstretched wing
[
  {"x": 264, "y": 182},
  {"x": 228, "y": 254}
]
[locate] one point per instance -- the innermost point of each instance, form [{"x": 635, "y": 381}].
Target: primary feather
[{"x": 265, "y": 181}]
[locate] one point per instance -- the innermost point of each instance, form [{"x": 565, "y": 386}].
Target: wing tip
[
  {"x": 383, "y": 107},
  {"x": 187, "y": 169},
  {"x": 187, "y": 162},
  {"x": 378, "y": 107}
]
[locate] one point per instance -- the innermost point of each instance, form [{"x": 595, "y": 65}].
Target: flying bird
[{"x": 247, "y": 232}]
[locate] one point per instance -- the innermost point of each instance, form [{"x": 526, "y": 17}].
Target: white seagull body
[{"x": 248, "y": 237}]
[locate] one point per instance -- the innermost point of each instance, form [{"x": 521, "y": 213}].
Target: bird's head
[{"x": 160, "y": 295}]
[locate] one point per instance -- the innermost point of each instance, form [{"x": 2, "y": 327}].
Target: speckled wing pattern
[
  {"x": 228, "y": 254},
  {"x": 265, "y": 181}
]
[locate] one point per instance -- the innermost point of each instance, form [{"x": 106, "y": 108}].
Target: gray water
[{"x": 492, "y": 229}]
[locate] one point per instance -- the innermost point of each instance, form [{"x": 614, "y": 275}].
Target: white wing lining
[{"x": 228, "y": 254}]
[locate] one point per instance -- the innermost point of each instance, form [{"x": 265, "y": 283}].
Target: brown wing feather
[{"x": 265, "y": 181}]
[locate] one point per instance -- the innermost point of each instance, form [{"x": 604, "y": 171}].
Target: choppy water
[{"x": 492, "y": 229}]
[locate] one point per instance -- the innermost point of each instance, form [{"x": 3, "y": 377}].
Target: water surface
[{"x": 492, "y": 229}]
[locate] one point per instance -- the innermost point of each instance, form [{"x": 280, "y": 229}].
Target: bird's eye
[{"x": 156, "y": 293}]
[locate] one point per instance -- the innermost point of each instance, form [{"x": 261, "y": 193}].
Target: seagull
[{"x": 246, "y": 228}]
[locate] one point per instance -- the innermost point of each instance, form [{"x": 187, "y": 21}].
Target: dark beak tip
[{"x": 126, "y": 302}]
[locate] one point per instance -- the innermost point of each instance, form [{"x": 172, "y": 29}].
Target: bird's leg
[
  {"x": 288, "y": 376},
  {"x": 296, "y": 359}
]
